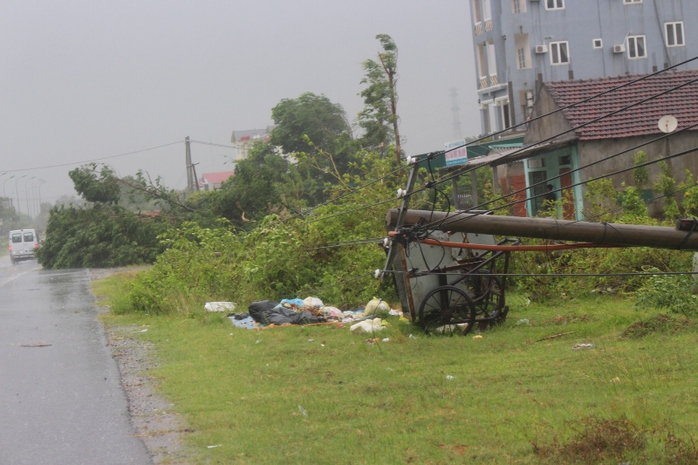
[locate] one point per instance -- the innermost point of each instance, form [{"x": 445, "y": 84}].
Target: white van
[{"x": 23, "y": 244}]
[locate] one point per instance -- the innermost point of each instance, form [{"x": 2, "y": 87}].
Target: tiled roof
[
  {"x": 640, "y": 120},
  {"x": 217, "y": 178}
]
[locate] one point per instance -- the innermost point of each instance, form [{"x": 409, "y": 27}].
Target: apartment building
[{"x": 521, "y": 42}]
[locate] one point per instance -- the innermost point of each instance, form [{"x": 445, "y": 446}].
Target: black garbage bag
[
  {"x": 268, "y": 312},
  {"x": 257, "y": 310}
]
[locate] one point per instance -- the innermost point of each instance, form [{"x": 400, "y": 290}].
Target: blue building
[{"x": 521, "y": 42}]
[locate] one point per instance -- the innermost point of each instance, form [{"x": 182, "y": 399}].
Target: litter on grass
[
  {"x": 311, "y": 310},
  {"x": 219, "y": 307}
]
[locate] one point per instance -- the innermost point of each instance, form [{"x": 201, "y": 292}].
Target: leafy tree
[
  {"x": 379, "y": 118},
  {"x": 93, "y": 186},
  {"x": 308, "y": 118},
  {"x": 315, "y": 132},
  {"x": 99, "y": 236},
  {"x": 264, "y": 182}
]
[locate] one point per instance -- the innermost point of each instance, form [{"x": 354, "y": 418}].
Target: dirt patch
[{"x": 153, "y": 418}]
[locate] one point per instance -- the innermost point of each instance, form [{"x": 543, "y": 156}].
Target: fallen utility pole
[{"x": 551, "y": 229}]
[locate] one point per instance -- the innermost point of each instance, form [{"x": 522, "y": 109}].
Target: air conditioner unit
[
  {"x": 541, "y": 48},
  {"x": 619, "y": 48}
]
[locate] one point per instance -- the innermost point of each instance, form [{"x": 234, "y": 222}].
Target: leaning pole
[{"x": 552, "y": 229}]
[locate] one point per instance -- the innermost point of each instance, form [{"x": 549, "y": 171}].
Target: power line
[{"x": 95, "y": 159}]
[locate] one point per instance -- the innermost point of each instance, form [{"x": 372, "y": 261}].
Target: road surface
[{"x": 61, "y": 399}]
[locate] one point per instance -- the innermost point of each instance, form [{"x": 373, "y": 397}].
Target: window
[
  {"x": 629, "y": 2},
  {"x": 536, "y": 163},
  {"x": 559, "y": 53},
  {"x": 521, "y": 59},
  {"x": 523, "y": 51},
  {"x": 16, "y": 238},
  {"x": 554, "y": 4},
  {"x": 486, "y": 10},
  {"x": 598, "y": 43},
  {"x": 636, "y": 47},
  {"x": 477, "y": 17},
  {"x": 674, "y": 34},
  {"x": 518, "y": 6},
  {"x": 28, "y": 237},
  {"x": 504, "y": 117}
]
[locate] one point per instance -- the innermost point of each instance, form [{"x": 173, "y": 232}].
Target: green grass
[{"x": 518, "y": 394}]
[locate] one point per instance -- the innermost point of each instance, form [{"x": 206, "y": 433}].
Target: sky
[{"x": 124, "y": 83}]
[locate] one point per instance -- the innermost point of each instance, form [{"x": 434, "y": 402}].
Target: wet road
[{"x": 61, "y": 401}]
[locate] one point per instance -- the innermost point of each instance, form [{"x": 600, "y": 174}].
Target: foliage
[
  {"x": 99, "y": 236},
  {"x": 94, "y": 186},
  {"x": 641, "y": 174},
  {"x": 671, "y": 292},
  {"x": 690, "y": 191},
  {"x": 601, "y": 206},
  {"x": 264, "y": 183},
  {"x": 379, "y": 118},
  {"x": 195, "y": 266},
  {"x": 100, "y": 233},
  {"x": 309, "y": 116},
  {"x": 666, "y": 186},
  {"x": 600, "y": 200},
  {"x": 293, "y": 257},
  {"x": 315, "y": 132},
  {"x": 631, "y": 202}
]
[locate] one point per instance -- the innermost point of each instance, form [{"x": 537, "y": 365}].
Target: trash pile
[{"x": 311, "y": 310}]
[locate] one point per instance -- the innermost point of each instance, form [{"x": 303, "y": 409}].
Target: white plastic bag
[
  {"x": 310, "y": 302},
  {"x": 367, "y": 326},
  {"x": 219, "y": 306}
]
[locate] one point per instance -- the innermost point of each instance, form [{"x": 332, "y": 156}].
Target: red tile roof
[
  {"x": 217, "y": 178},
  {"x": 640, "y": 120}
]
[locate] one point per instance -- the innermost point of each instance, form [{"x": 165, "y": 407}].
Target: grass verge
[{"x": 541, "y": 388}]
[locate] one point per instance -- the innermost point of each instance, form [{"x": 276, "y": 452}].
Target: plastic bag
[
  {"x": 367, "y": 326},
  {"x": 376, "y": 307},
  {"x": 310, "y": 302},
  {"x": 219, "y": 306}
]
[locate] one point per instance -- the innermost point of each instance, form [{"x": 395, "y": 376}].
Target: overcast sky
[{"x": 88, "y": 79}]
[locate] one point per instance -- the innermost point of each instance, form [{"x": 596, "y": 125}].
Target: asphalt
[{"x": 61, "y": 398}]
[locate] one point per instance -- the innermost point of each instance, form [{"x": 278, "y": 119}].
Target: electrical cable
[{"x": 95, "y": 159}]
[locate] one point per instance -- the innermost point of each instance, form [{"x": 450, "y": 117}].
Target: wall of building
[{"x": 501, "y": 32}]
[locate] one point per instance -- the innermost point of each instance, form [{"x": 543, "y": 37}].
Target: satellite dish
[{"x": 667, "y": 124}]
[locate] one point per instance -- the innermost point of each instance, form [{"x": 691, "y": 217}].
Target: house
[
  {"x": 211, "y": 181},
  {"x": 243, "y": 140},
  {"x": 600, "y": 137}
]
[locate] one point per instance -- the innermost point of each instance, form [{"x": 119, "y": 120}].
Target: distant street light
[
  {"x": 3, "y": 185},
  {"x": 26, "y": 195},
  {"x": 38, "y": 189},
  {"x": 19, "y": 212}
]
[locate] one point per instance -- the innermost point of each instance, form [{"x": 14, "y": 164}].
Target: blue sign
[{"x": 456, "y": 153}]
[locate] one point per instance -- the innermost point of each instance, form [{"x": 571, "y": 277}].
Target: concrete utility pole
[
  {"x": 552, "y": 229},
  {"x": 190, "y": 177}
]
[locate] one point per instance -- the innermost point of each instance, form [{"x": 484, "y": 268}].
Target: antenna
[{"x": 667, "y": 124}]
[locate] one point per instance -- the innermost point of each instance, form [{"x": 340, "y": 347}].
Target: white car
[{"x": 22, "y": 244}]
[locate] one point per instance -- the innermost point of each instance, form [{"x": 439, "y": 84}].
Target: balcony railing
[
  {"x": 478, "y": 29},
  {"x": 488, "y": 25}
]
